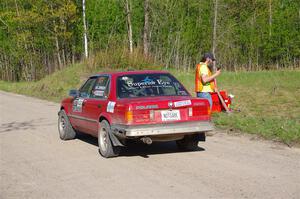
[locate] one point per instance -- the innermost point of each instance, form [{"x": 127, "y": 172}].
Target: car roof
[{"x": 130, "y": 72}]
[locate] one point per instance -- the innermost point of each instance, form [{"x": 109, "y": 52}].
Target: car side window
[
  {"x": 101, "y": 88},
  {"x": 86, "y": 89}
]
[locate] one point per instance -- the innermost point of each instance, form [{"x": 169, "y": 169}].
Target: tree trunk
[
  {"x": 17, "y": 9},
  {"x": 32, "y": 64},
  {"x": 56, "y": 43},
  {"x": 129, "y": 26},
  {"x": 214, "y": 44},
  {"x": 270, "y": 18},
  {"x": 45, "y": 64},
  {"x": 7, "y": 67},
  {"x": 85, "y": 41},
  {"x": 146, "y": 28},
  {"x": 57, "y": 51},
  {"x": 63, "y": 54},
  {"x": 73, "y": 54},
  {"x": 177, "y": 59}
]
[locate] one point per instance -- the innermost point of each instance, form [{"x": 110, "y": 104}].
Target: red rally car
[{"x": 140, "y": 105}]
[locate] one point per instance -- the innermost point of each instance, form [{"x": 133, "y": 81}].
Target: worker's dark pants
[{"x": 205, "y": 95}]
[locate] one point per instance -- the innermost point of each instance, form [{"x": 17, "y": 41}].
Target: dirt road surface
[{"x": 35, "y": 163}]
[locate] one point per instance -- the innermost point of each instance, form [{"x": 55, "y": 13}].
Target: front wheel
[
  {"x": 106, "y": 148},
  {"x": 65, "y": 129}
]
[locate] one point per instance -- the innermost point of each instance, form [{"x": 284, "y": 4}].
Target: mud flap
[{"x": 115, "y": 141}]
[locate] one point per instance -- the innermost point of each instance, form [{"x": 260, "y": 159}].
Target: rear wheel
[
  {"x": 65, "y": 129},
  {"x": 106, "y": 148},
  {"x": 188, "y": 143}
]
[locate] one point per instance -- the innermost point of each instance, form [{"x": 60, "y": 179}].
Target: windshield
[{"x": 147, "y": 85}]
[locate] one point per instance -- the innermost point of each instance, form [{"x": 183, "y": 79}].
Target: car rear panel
[{"x": 159, "y": 110}]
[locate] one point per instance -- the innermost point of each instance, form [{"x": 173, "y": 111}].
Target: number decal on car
[
  {"x": 110, "y": 107},
  {"x": 77, "y": 105}
]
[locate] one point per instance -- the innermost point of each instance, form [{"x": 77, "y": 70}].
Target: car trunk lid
[{"x": 155, "y": 110}]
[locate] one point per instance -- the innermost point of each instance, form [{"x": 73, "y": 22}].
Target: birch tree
[
  {"x": 146, "y": 28},
  {"x": 129, "y": 25},
  {"x": 214, "y": 44},
  {"x": 85, "y": 40}
]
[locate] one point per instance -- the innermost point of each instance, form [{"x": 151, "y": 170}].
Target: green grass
[
  {"x": 266, "y": 103},
  {"x": 53, "y": 87}
]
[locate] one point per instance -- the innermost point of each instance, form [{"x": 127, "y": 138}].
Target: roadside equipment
[{"x": 221, "y": 101}]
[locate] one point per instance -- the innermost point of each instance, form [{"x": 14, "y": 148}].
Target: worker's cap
[{"x": 209, "y": 55}]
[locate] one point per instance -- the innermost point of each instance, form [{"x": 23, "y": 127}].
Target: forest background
[{"x": 39, "y": 37}]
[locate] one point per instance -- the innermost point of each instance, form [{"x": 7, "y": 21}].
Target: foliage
[{"x": 38, "y": 37}]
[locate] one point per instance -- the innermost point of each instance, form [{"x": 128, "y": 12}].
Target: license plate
[{"x": 170, "y": 115}]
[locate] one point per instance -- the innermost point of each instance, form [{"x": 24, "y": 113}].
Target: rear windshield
[{"x": 147, "y": 85}]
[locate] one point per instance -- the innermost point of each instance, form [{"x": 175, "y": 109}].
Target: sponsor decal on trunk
[
  {"x": 155, "y": 106},
  {"x": 182, "y": 103}
]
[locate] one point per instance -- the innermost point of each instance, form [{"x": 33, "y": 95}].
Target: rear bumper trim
[{"x": 165, "y": 129}]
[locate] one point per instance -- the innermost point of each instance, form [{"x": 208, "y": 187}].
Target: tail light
[
  {"x": 208, "y": 110},
  {"x": 200, "y": 110},
  {"x": 128, "y": 116}
]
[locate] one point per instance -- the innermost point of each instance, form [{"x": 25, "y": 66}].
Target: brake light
[{"x": 199, "y": 110}]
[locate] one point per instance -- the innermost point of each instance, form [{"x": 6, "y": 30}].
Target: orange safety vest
[{"x": 198, "y": 79}]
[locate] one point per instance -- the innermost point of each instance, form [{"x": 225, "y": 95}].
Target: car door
[
  {"x": 96, "y": 103},
  {"x": 77, "y": 109}
]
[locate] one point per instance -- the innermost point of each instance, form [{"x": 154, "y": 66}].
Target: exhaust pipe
[{"x": 147, "y": 140}]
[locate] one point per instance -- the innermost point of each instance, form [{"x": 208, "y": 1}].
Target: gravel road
[{"x": 35, "y": 163}]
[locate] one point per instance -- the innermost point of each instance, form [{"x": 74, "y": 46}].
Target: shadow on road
[
  {"x": 23, "y": 125},
  {"x": 156, "y": 148},
  {"x": 140, "y": 149},
  {"x": 87, "y": 138}
]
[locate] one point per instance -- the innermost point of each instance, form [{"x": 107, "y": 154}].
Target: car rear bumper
[{"x": 164, "y": 129}]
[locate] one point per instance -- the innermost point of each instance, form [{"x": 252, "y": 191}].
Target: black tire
[
  {"x": 106, "y": 148},
  {"x": 65, "y": 129},
  {"x": 188, "y": 143}
]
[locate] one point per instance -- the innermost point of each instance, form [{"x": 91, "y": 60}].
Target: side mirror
[{"x": 74, "y": 93}]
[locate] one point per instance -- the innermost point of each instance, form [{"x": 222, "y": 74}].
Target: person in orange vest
[{"x": 204, "y": 79}]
